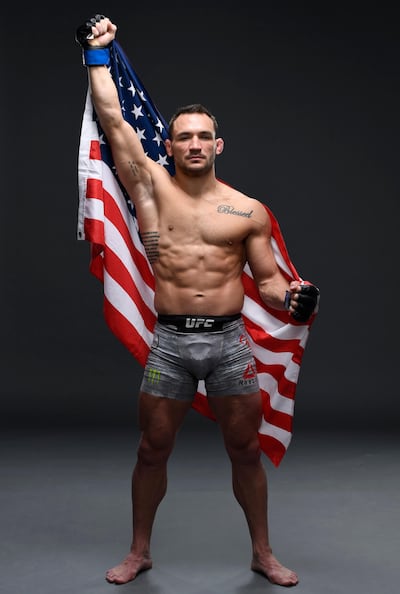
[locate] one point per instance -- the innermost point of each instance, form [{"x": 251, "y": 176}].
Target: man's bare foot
[
  {"x": 275, "y": 572},
  {"x": 128, "y": 569}
]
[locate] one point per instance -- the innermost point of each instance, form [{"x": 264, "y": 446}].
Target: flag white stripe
[
  {"x": 126, "y": 306},
  {"x": 116, "y": 244},
  {"x": 278, "y": 402},
  {"x": 281, "y": 435}
]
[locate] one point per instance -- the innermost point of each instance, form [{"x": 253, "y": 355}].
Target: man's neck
[{"x": 196, "y": 186}]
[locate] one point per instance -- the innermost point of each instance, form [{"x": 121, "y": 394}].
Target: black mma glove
[
  {"x": 92, "y": 56},
  {"x": 84, "y": 31},
  {"x": 307, "y": 300}
]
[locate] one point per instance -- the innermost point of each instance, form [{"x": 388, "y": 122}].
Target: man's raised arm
[{"x": 133, "y": 166}]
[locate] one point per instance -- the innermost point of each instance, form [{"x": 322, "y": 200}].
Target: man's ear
[
  {"x": 219, "y": 146},
  {"x": 168, "y": 147}
]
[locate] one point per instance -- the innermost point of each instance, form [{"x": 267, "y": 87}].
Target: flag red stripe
[
  {"x": 120, "y": 274},
  {"x": 200, "y": 404},
  {"x": 94, "y": 230},
  {"x": 285, "y": 387},
  {"x": 276, "y": 450},
  {"x": 275, "y": 417},
  {"x": 126, "y": 333},
  {"x": 113, "y": 213},
  {"x": 94, "y": 150},
  {"x": 96, "y": 261}
]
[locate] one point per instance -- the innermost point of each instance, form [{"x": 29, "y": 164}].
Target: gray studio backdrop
[{"x": 308, "y": 107}]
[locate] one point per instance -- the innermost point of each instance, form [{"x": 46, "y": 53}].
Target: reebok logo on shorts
[
  {"x": 249, "y": 376},
  {"x": 250, "y": 372}
]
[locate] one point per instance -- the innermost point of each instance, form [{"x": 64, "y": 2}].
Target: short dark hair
[{"x": 192, "y": 108}]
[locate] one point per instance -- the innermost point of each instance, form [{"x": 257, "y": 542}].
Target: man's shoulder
[
  {"x": 232, "y": 192},
  {"x": 256, "y": 211},
  {"x": 239, "y": 196}
]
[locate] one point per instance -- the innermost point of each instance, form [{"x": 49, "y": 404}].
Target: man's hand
[
  {"x": 98, "y": 31},
  {"x": 301, "y": 301}
]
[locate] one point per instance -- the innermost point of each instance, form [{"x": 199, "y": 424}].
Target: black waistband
[{"x": 194, "y": 323}]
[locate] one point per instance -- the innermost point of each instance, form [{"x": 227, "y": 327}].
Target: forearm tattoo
[
  {"x": 134, "y": 168},
  {"x": 151, "y": 241}
]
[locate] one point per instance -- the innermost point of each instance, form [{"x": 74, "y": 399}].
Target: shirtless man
[{"x": 201, "y": 249}]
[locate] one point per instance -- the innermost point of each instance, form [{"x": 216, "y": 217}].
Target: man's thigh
[
  {"x": 239, "y": 416},
  {"x": 162, "y": 416}
]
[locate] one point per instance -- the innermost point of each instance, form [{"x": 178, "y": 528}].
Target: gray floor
[{"x": 65, "y": 514}]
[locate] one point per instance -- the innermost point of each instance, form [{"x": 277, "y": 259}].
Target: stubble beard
[{"x": 197, "y": 172}]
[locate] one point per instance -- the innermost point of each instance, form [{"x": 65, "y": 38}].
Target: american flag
[{"x": 107, "y": 219}]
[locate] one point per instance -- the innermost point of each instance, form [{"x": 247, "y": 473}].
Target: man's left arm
[{"x": 298, "y": 298}]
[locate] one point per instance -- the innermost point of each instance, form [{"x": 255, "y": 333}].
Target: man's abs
[{"x": 222, "y": 300}]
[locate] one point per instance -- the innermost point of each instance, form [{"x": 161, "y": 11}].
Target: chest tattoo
[
  {"x": 231, "y": 210},
  {"x": 150, "y": 241}
]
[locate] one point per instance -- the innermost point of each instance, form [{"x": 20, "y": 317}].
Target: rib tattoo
[{"x": 150, "y": 241}]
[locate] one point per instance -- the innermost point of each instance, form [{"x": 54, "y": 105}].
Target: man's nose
[{"x": 195, "y": 143}]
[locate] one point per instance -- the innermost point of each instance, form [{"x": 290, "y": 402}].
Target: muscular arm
[
  {"x": 134, "y": 168},
  {"x": 128, "y": 154},
  {"x": 271, "y": 284}
]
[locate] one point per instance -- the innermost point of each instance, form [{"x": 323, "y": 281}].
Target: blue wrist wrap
[{"x": 96, "y": 56}]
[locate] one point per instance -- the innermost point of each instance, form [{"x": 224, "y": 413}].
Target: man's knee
[
  {"x": 244, "y": 451},
  {"x": 154, "y": 450}
]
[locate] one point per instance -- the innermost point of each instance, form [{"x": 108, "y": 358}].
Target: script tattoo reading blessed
[{"x": 226, "y": 209}]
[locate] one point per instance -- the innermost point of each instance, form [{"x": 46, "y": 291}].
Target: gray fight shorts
[{"x": 187, "y": 349}]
